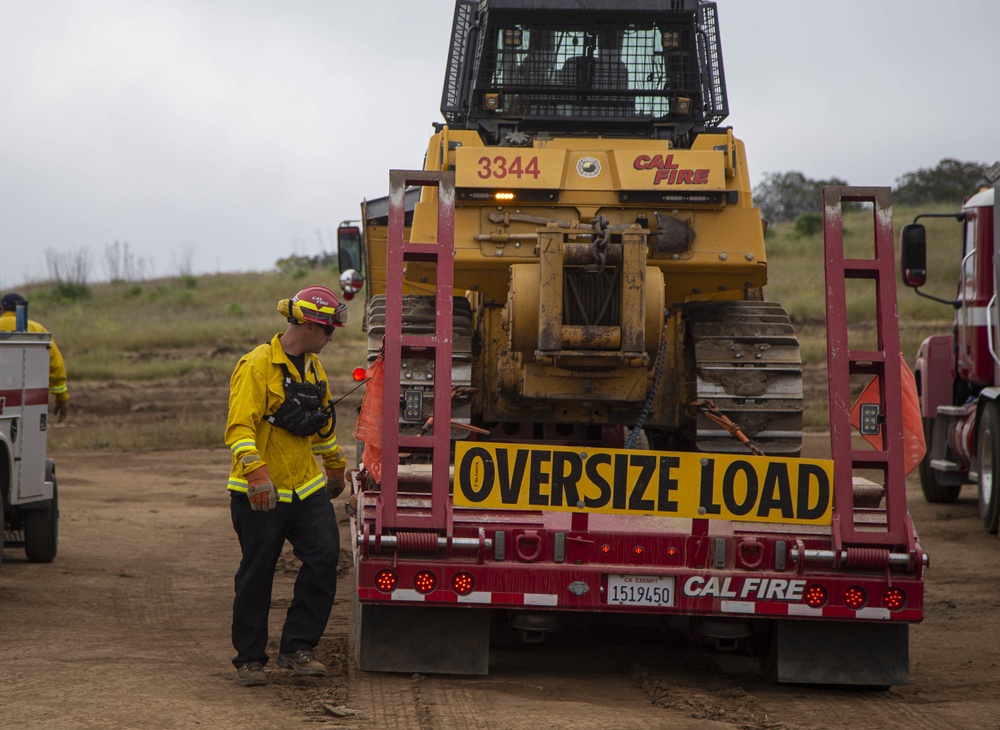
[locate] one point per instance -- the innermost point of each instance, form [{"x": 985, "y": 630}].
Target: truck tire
[
  {"x": 934, "y": 491},
  {"x": 989, "y": 462},
  {"x": 41, "y": 530}
]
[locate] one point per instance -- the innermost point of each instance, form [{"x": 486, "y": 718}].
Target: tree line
[{"x": 784, "y": 196}]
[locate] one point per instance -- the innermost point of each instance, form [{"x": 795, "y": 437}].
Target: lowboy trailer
[{"x": 813, "y": 564}]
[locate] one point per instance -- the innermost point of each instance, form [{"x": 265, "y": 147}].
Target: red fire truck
[{"x": 957, "y": 373}]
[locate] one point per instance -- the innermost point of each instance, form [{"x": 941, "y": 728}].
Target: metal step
[
  {"x": 945, "y": 465},
  {"x": 955, "y": 411}
]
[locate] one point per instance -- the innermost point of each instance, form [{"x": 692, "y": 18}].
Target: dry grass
[
  {"x": 206, "y": 431},
  {"x": 796, "y": 275}
]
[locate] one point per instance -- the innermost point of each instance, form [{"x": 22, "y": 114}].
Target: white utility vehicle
[{"x": 29, "y": 508}]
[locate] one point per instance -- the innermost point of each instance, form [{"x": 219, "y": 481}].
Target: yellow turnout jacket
[{"x": 256, "y": 390}]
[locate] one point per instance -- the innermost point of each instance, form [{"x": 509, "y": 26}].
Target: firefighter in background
[
  {"x": 57, "y": 368},
  {"x": 280, "y": 420}
]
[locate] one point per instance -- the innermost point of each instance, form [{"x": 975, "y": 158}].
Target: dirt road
[{"x": 129, "y": 628}]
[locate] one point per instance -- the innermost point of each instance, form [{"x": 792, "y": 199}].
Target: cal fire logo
[
  {"x": 666, "y": 484},
  {"x": 669, "y": 172},
  {"x": 752, "y": 589}
]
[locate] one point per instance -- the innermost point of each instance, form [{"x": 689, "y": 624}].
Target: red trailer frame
[{"x": 431, "y": 575}]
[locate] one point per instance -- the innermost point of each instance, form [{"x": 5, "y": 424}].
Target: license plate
[{"x": 641, "y": 590}]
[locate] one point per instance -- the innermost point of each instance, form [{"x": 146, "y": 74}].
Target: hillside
[{"x": 149, "y": 361}]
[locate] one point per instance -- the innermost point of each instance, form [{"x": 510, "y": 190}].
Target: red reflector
[
  {"x": 605, "y": 549},
  {"x": 855, "y": 597},
  {"x": 815, "y": 596},
  {"x": 671, "y": 551},
  {"x": 359, "y": 374},
  {"x": 424, "y": 581},
  {"x": 638, "y": 550},
  {"x": 385, "y": 581},
  {"x": 893, "y": 599},
  {"x": 463, "y": 583}
]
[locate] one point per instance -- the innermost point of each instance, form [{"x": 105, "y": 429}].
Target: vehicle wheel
[
  {"x": 934, "y": 491},
  {"x": 989, "y": 461},
  {"x": 41, "y": 530}
]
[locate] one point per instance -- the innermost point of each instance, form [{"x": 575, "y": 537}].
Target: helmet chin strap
[{"x": 293, "y": 316}]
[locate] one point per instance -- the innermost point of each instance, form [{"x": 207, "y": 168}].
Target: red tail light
[
  {"x": 386, "y": 581},
  {"x": 893, "y": 599},
  {"x": 463, "y": 583},
  {"x": 855, "y": 597},
  {"x": 424, "y": 581},
  {"x": 815, "y": 596},
  {"x": 359, "y": 374}
]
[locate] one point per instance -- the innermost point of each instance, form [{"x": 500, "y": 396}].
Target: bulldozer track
[
  {"x": 747, "y": 362},
  {"x": 419, "y": 312},
  {"x": 419, "y": 318}
]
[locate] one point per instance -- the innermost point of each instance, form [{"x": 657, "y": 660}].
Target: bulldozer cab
[{"x": 646, "y": 69}]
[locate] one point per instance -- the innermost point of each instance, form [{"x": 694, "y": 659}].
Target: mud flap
[
  {"x": 426, "y": 639},
  {"x": 836, "y": 653}
]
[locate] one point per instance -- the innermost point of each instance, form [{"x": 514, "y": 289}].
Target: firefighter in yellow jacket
[
  {"x": 57, "y": 368},
  {"x": 280, "y": 421}
]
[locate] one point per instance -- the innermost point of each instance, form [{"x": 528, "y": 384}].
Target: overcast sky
[{"x": 224, "y": 134}]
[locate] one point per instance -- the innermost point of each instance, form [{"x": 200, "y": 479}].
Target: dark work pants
[{"x": 310, "y": 525}]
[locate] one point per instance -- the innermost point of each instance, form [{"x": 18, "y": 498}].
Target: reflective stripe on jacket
[
  {"x": 256, "y": 390},
  {"x": 57, "y": 368}
]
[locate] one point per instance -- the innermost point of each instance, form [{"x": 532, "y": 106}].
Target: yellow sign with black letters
[{"x": 658, "y": 483}]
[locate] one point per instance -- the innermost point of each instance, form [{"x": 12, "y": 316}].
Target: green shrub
[
  {"x": 67, "y": 292},
  {"x": 809, "y": 224}
]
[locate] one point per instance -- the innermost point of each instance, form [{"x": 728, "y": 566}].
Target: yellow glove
[
  {"x": 261, "y": 490},
  {"x": 335, "y": 482}
]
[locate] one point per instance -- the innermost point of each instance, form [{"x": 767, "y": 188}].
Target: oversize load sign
[{"x": 663, "y": 484}]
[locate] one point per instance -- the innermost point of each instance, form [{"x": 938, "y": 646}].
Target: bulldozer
[{"x": 609, "y": 264}]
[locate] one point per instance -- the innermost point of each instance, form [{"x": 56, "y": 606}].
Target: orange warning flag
[
  {"x": 914, "y": 447},
  {"x": 369, "y": 428}
]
